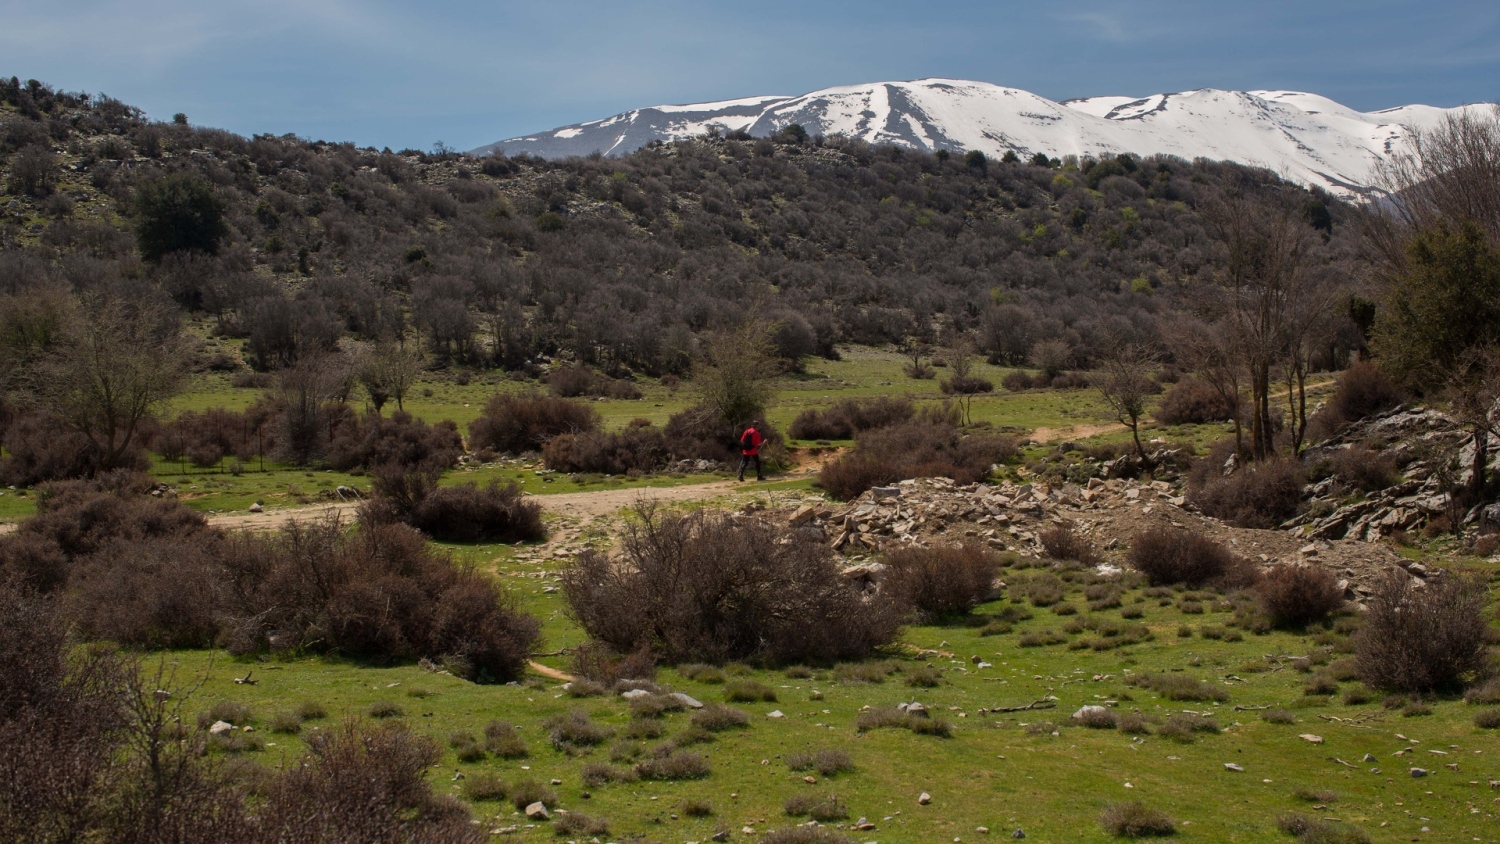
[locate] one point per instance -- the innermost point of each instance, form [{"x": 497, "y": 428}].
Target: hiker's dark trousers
[{"x": 745, "y": 461}]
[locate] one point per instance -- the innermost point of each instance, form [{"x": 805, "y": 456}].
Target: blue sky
[{"x": 468, "y": 73}]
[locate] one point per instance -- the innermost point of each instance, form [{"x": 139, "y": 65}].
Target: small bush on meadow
[
  {"x": 942, "y": 580},
  {"x": 825, "y": 762},
  {"x": 1422, "y": 639},
  {"x": 716, "y": 718},
  {"x": 638, "y": 448},
  {"x": 1064, "y": 542},
  {"x": 1168, "y": 555},
  {"x": 1259, "y": 495},
  {"x": 579, "y": 825},
  {"x": 710, "y": 587},
  {"x": 671, "y": 764},
  {"x": 1298, "y": 595},
  {"x": 1136, "y": 820},
  {"x": 483, "y": 785}
]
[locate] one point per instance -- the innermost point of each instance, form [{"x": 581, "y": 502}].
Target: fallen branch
[
  {"x": 1341, "y": 762},
  {"x": 1036, "y": 704},
  {"x": 1359, "y": 720},
  {"x": 1251, "y": 707}
]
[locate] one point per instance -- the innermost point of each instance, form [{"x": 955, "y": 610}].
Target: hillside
[
  {"x": 1309, "y": 139},
  {"x": 622, "y": 262}
]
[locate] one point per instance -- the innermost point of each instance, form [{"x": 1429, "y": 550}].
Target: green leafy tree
[
  {"x": 178, "y": 213},
  {"x": 1443, "y": 310}
]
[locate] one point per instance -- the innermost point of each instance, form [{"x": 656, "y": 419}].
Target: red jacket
[{"x": 755, "y": 441}]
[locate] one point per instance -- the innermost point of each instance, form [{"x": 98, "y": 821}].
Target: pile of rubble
[
  {"x": 1420, "y": 439},
  {"x": 1012, "y": 517}
]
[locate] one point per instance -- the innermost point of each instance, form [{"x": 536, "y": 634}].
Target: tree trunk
[{"x": 1481, "y": 460}]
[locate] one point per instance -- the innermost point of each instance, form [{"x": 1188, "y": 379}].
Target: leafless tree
[
  {"x": 1265, "y": 283},
  {"x": 1210, "y": 352},
  {"x": 1125, "y": 383},
  {"x": 388, "y": 371},
  {"x": 118, "y": 364},
  {"x": 1452, "y": 172}
]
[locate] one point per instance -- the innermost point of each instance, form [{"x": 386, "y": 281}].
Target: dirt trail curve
[{"x": 578, "y": 505}]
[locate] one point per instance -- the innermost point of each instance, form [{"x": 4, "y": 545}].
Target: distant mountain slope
[{"x": 1310, "y": 139}]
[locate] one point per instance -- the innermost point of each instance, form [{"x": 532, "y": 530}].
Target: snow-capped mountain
[{"x": 1305, "y": 137}]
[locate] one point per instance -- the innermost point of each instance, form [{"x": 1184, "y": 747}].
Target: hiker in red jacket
[{"x": 750, "y": 450}]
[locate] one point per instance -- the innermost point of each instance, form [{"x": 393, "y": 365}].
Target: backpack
[{"x": 747, "y": 439}]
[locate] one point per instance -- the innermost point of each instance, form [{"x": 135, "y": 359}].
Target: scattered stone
[
  {"x": 924, "y": 798},
  {"x": 1230, "y": 766},
  {"x": 632, "y": 694},
  {"x": 687, "y": 700},
  {"x": 257, "y": 508},
  {"x": 1019, "y": 833},
  {"x": 1091, "y": 709},
  {"x": 1311, "y": 739},
  {"x": 537, "y": 811},
  {"x": 219, "y": 728},
  {"x": 1370, "y": 757},
  {"x": 775, "y": 713},
  {"x": 1419, "y": 772}
]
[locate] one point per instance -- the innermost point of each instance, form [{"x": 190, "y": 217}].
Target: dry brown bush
[
  {"x": 1192, "y": 402},
  {"x": 398, "y": 440},
  {"x": 39, "y": 449},
  {"x": 467, "y": 513},
  {"x": 711, "y": 587},
  {"x": 1064, "y": 542},
  {"x": 923, "y": 448},
  {"x": 1260, "y": 495},
  {"x": 1136, "y": 820},
  {"x": 699, "y": 433},
  {"x": 850, "y": 416},
  {"x": 941, "y": 580},
  {"x": 1294, "y": 596},
  {"x": 640, "y": 448},
  {"x": 513, "y": 423},
  {"x": 1168, "y": 555},
  {"x": 1363, "y": 468},
  {"x": 1419, "y": 637},
  {"x": 1362, "y": 391}
]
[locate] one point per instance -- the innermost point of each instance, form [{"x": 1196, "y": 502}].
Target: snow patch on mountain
[{"x": 1305, "y": 137}]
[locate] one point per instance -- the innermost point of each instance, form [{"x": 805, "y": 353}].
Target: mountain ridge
[{"x": 1307, "y": 138}]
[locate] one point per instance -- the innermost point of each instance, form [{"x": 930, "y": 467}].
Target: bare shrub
[
  {"x": 1136, "y": 820},
  {"x": 1318, "y": 831},
  {"x": 849, "y": 417},
  {"x": 709, "y": 586},
  {"x": 379, "y": 593},
  {"x": 398, "y": 440},
  {"x": 636, "y": 448},
  {"x": 700, "y": 433},
  {"x": 575, "y": 731},
  {"x": 1261, "y": 495},
  {"x": 1095, "y": 718},
  {"x": 1192, "y": 402},
  {"x": 595, "y": 774},
  {"x": 526, "y": 792},
  {"x": 1487, "y": 694},
  {"x": 922, "y": 448},
  {"x": 515, "y": 423},
  {"x": 364, "y": 783},
  {"x": 482, "y": 786},
  {"x": 1168, "y": 555},
  {"x": 716, "y": 718},
  {"x": 1298, "y": 595},
  {"x": 601, "y": 665},
  {"x": 825, "y": 762},
  {"x": 1185, "y": 728},
  {"x": 467, "y": 513},
  {"x": 943, "y": 579},
  {"x": 1422, "y": 639},
  {"x": 1362, "y": 391},
  {"x": 1179, "y": 687},
  {"x": 1487, "y": 719},
  {"x": 806, "y": 835},
  {"x": 821, "y": 808},
  {"x": 580, "y": 825},
  {"x": 670, "y": 764},
  {"x": 748, "y": 691},
  {"x": 1361, "y": 467},
  {"x": 1064, "y": 542},
  {"x": 502, "y": 739}
]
